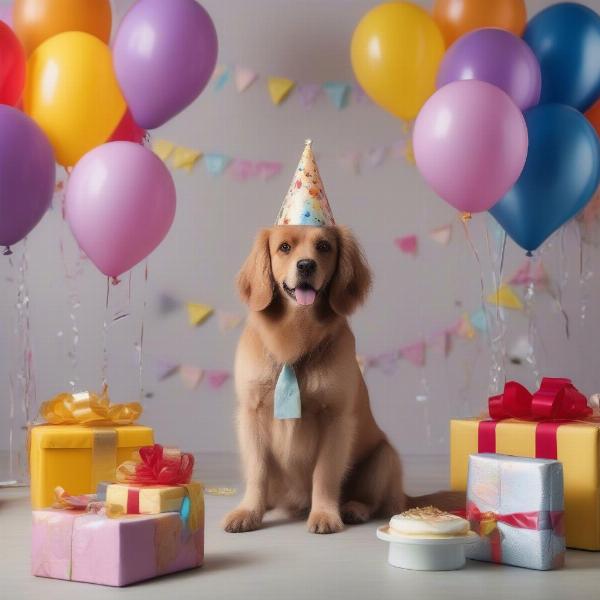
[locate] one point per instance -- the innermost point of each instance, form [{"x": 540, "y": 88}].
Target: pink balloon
[
  {"x": 120, "y": 204},
  {"x": 470, "y": 144}
]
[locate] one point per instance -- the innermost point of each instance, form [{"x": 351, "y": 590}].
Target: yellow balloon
[
  {"x": 396, "y": 51},
  {"x": 72, "y": 93}
]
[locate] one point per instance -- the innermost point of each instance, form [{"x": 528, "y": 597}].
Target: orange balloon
[
  {"x": 34, "y": 21},
  {"x": 593, "y": 116},
  {"x": 457, "y": 17}
]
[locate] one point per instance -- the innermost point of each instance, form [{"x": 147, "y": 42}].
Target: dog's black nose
[{"x": 306, "y": 266}]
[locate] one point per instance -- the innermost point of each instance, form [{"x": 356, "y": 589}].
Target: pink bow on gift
[
  {"x": 158, "y": 466},
  {"x": 557, "y": 398}
]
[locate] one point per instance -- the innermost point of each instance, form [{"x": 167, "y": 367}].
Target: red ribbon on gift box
[
  {"x": 486, "y": 524},
  {"x": 556, "y": 402},
  {"x": 157, "y": 466}
]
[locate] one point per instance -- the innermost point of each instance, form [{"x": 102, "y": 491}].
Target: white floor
[{"x": 283, "y": 562}]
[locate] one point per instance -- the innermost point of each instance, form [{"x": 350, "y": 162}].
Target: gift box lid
[{"x": 79, "y": 436}]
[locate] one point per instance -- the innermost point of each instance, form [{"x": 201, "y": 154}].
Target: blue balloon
[
  {"x": 560, "y": 176},
  {"x": 566, "y": 41}
]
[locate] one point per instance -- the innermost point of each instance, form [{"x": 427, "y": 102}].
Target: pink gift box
[{"x": 96, "y": 549}]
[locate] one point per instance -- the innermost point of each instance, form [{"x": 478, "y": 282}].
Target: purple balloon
[
  {"x": 164, "y": 53},
  {"x": 27, "y": 175},
  {"x": 120, "y": 205},
  {"x": 498, "y": 57}
]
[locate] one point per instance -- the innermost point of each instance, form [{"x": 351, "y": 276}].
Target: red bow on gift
[
  {"x": 485, "y": 524},
  {"x": 157, "y": 466},
  {"x": 557, "y": 398}
]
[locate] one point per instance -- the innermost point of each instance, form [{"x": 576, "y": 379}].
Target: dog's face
[
  {"x": 303, "y": 260},
  {"x": 305, "y": 266}
]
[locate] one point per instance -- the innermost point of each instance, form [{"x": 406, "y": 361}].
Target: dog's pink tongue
[{"x": 305, "y": 297}]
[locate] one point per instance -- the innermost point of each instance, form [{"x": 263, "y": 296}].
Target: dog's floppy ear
[
  {"x": 352, "y": 279},
  {"x": 255, "y": 281}
]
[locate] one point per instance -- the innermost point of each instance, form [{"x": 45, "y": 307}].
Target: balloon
[
  {"x": 566, "y": 40},
  {"x": 396, "y": 50},
  {"x": 128, "y": 131},
  {"x": 164, "y": 55},
  {"x": 593, "y": 116},
  {"x": 561, "y": 174},
  {"x": 27, "y": 175},
  {"x": 12, "y": 66},
  {"x": 457, "y": 17},
  {"x": 6, "y": 14},
  {"x": 498, "y": 57},
  {"x": 120, "y": 204},
  {"x": 72, "y": 93},
  {"x": 470, "y": 144},
  {"x": 37, "y": 20}
]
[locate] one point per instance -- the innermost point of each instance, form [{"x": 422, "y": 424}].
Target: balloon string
[
  {"x": 140, "y": 346},
  {"x": 532, "y": 330},
  {"x": 104, "y": 374},
  {"x": 497, "y": 336}
]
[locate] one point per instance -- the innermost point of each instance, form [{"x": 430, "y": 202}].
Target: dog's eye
[
  {"x": 285, "y": 247},
  {"x": 323, "y": 246}
]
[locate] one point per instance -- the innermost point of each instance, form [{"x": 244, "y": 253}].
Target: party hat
[{"x": 306, "y": 202}]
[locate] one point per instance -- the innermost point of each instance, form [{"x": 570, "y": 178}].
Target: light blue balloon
[{"x": 561, "y": 173}]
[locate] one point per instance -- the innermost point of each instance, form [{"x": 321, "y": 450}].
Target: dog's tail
[{"x": 447, "y": 500}]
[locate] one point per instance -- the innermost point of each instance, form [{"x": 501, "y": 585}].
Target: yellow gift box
[
  {"x": 578, "y": 449},
  {"x": 78, "y": 457},
  {"x": 149, "y": 499}
]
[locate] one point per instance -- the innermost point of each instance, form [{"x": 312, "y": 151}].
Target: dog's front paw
[
  {"x": 242, "y": 519},
  {"x": 321, "y": 521},
  {"x": 354, "y": 512}
]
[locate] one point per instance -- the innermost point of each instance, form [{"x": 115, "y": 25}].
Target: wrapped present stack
[
  {"x": 147, "y": 518},
  {"x": 555, "y": 423},
  {"x": 516, "y": 506}
]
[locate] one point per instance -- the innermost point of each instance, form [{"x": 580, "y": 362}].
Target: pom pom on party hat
[{"x": 306, "y": 202}]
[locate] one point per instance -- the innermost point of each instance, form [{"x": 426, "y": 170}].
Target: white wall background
[{"x": 217, "y": 217}]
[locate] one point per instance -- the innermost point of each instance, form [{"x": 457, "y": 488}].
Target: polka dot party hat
[{"x": 306, "y": 202}]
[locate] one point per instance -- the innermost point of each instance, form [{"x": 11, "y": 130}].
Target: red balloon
[
  {"x": 128, "y": 131},
  {"x": 12, "y": 66}
]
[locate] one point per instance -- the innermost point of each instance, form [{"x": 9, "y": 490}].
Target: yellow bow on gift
[{"x": 87, "y": 408}]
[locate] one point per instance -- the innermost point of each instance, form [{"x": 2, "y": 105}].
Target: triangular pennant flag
[
  {"x": 167, "y": 304},
  {"x": 216, "y": 379},
  {"x": 387, "y": 362},
  {"x": 242, "y": 170},
  {"x": 464, "y": 328},
  {"x": 407, "y": 244},
  {"x": 441, "y": 235},
  {"x": 308, "y": 93},
  {"x": 191, "y": 376},
  {"x": 216, "y": 163},
  {"x": 163, "y": 148},
  {"x": 441, "y": 340},
  {"x": 244, "y": 78},
  {"x": 222, "y": 79},
  {"x": 198, "y": 313},
  {"x": 267, "y": 169},
  {"x": 359, "y": 94},
  {"x": 279, "y": 88},
  {"x": 185, "y": 158},
  {"x": 523, "y": 274},
  {"x": 337, "y": 93},
  {"x": 164, "y": 369},
  {"x": 505, "y": 296},
  {"x": 479, "y": 319},
  {"x": 415, "y": 353},
  {"x": 351, "y": 161},
  {"x": 376, "y": 156},
  {"x": 227, "y": 320}
]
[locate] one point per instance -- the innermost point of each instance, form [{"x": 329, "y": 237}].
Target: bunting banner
[
  {"x": 339, "y": 93},
  {"x": 191, "y": 376}
]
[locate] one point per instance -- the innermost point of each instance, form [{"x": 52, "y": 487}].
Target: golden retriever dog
[{"x": 334, "y": 463}]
